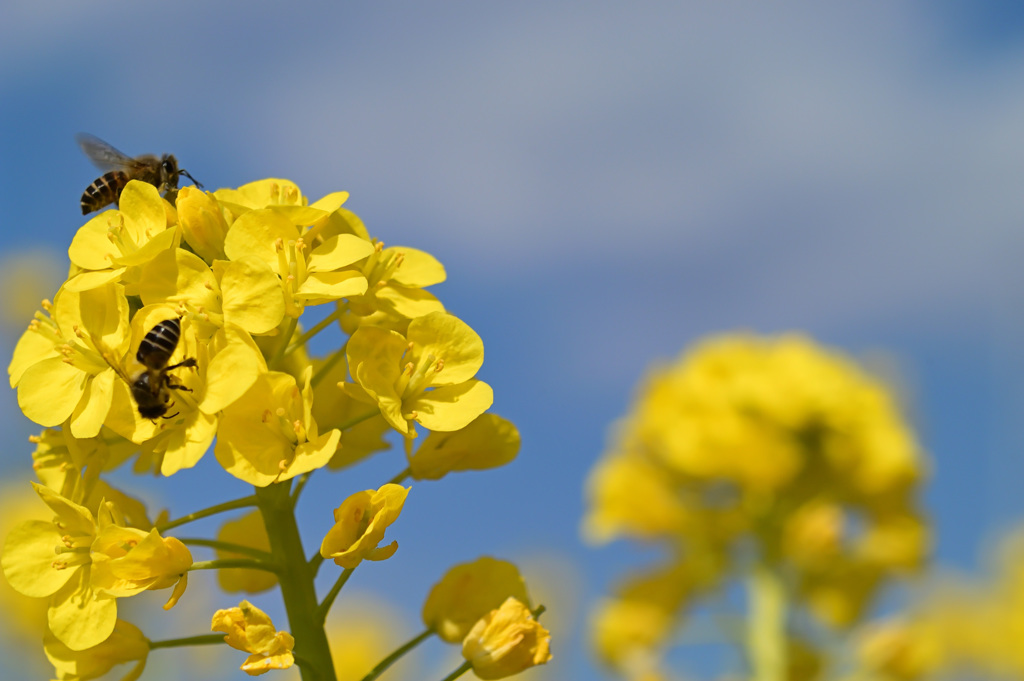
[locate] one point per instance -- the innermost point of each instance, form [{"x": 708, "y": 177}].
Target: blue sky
[{"x": 605, "y": 184}]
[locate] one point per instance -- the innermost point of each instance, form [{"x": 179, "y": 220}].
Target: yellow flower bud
[
  {"x": 506, "y": 641},
  {"x": 203, "y": 223}
]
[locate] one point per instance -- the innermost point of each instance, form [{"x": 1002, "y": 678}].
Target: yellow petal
[
  {"x": 28, "y": 559},
  {"x": 50, "y": 390},
  {"x": 451, "y": 407}
]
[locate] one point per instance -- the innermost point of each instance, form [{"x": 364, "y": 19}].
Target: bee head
[{"x": 169, "y": 171}]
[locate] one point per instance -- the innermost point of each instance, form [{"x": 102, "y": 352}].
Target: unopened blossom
[
  {"x": 469, "y": 591},
  {"x": 359, "y": 526},
  {"x": 202, "y": 222},
  {"x": 250, "y": 630},
  {"x": 506, "y": 641},
  {"x": 425, "y": 376}
]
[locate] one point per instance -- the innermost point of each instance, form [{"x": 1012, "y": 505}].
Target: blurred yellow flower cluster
[
  {"x": 182, "y": 328},
  {"x": 768, "y": 461}
]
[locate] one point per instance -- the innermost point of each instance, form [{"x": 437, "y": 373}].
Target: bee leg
[
  {"x": 175, "y": 386},
  {"x": 187, "y": 362},
  {"x": 171, "y": 416}
]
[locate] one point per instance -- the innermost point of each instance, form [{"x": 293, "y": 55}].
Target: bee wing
[{"x": 103, "y": 156}]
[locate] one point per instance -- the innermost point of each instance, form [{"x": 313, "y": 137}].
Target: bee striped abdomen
[
  {"x": 104, "y": 191},
  {"x": 156, "y": 348}
]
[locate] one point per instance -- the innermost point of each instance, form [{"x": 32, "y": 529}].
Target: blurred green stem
[{"x": 766, "y": 637}]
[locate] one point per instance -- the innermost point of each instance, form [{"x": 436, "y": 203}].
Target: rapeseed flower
[
  {"x": 359, "y": 526},
  {"x": 98, "y": 560},
  {"x": 395, "y": 281},
  {"x": 73, "y": 378},
  {"x": 506, "y": 641},
  {"x": 250, "y": 630},
  {"x": 269, "y": 434},
  {"x": 749, "y": 459},
  {"x": 235, "y": 269},
  {"x": 112, "y": 245},
  {"x": 424, "y": 376}
]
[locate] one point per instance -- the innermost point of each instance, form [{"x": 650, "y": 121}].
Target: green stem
[
  {"x": 325, "y": 606},
  {"x": 304, "y": 338},
  {"x": 207, "y": 512},
  {"x": 315, "y": 562},
  {"x": 397, "y": 480},
  {"x": 766, "y": 637},
  {"x": 230, "y": 547},
  {"x": 293, "y": 323},
  {"x": 466, "y": 666},
  {"x": 247, "y": 563},
  {"x": 394, "y": 657},
  {"x": 296, "y": 580},
  {"x": 203, "y": 640}
]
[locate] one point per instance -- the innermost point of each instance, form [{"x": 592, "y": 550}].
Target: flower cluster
[
  {"x": 769, "y": 461},
  {"x": 181, "y": 328}
]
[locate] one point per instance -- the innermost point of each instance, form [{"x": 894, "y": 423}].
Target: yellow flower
[
  {"x": 488, "y": 442},
  {"x": 250, "y": 531},
  {"x": 227, "y": 366},
  {"x": 125, "y": 644},
  {"x": 359, "y": 526},
  {"x": 630, "y": 496},
  {"x": 73, "y": 379},
  {"x": 768, "y": 447},
  {"x": 333, "y": 408},
  {"x": 425, "y": 376},
  {"x": 396, "y": 277},
  {"x": 312, "y": 269},
  {"x": 97, "y": 559},
  {"x": 506, "y": 641},
  {"x": 250, "y": 630},
  {"x": 626, "y": 631},
  {"x": 127, "y": 561},
  {"x": 469, "y": 591},
  {"x": 269, "y": 433},
  {"x": 115, "y": 241},
  {"x": 244, "y": 293}
]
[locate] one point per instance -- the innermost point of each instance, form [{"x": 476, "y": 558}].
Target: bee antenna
[{"x": 198, "y": 185}]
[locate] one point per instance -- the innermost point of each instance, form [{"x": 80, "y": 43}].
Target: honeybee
[
  {"x": 162, "y": 173},
  {"x": 151, "y": 386}
]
